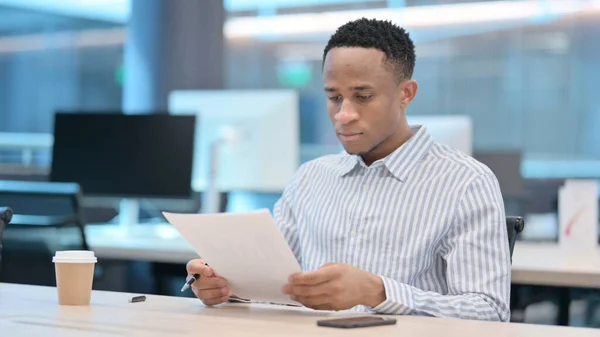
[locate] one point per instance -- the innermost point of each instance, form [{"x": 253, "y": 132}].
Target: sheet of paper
[{"x": 247, "y": 249}]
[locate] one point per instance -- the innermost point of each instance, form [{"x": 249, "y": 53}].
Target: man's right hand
[{"x": 210, "y": 288}]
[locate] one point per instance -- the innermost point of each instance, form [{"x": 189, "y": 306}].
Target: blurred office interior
[{"x": 523, "y": 74}]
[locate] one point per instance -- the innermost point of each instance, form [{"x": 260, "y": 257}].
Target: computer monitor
[
  {"x": 455, "y": 131},
  {"x": 248, "y": 139},
  {"x": 124, "y": 156}
]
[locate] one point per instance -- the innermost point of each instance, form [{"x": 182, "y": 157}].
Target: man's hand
[
  {"x": 210, "y": 288},
  {"x": 336, "y": 286}
]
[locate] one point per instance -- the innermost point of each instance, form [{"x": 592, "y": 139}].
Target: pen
[
  {"x": 191, "y": 280},
  {"x": 137, "y": 299}
]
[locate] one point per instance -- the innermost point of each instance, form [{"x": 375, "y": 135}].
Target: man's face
[{"x": 364, "y": 98}]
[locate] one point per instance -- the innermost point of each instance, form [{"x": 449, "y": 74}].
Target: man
[{"x": 398, "y": 224}]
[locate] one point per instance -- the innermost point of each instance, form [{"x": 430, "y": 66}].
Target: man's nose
[{"x": 347, "y": 113}]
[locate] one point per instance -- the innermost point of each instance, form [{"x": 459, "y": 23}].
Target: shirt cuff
[{"x": 399, "y": 298}]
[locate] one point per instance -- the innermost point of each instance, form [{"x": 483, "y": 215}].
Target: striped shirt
[{"x": 427, "y": 219}]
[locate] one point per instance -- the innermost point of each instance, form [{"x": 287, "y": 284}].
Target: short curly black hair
[{"x": 385, "y": 36}]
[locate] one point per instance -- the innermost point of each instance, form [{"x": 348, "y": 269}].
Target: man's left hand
[{"x": 336, "y": 286}]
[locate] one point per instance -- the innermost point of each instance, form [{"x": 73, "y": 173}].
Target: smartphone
[{"x": 356, "y": 322}]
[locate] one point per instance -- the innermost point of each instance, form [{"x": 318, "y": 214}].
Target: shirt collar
[{"x": 401, "y": 161}]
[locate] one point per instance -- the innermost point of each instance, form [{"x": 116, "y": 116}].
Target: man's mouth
[{"x": 349, "y": 136}]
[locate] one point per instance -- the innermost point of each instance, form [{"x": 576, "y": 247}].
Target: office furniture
[
  {"x": 33, "y": 310},
  {"x": 26, "y": 143},
  {"x": 5, "y": 217},
  {"x": 514, "y": 226},
  {"x": 40, "y": 204},
  {"x": 150, "y": 242},
  {"x": 537, "y": 263},
  {"x": 560, "y": 276},
  {"x": 533, "y": 263},
  {"x": 545, "y": 264},
  {"x": 45, "y": 216}
]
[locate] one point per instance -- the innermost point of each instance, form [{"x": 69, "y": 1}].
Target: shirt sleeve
[
  {"x": 283, "y": 214},
  {"x": 477, "y": 260}
]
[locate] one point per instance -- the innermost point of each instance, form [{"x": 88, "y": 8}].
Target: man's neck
[{"x": 389, "y": 145}]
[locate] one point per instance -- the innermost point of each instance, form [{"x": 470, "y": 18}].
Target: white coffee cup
[{"x": 74, "y": 276}]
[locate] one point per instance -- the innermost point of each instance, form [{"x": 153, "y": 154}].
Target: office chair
[
  {"x": 5, "y": 217},
  {"x": 45, "y": 217},
  {"x": 514, "y": 226},
  {"x": 523, "y": 295}
]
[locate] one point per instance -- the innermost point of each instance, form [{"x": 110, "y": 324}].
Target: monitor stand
[
  {"x": 211, "y": 198},
  {"x": 129, "y": 213}
]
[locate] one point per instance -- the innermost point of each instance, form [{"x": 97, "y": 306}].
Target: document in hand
[{"x": 247, "y": 249}]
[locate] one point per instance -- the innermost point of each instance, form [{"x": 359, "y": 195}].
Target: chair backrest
[
  {"x": 5, "y": 217},
  {"x": 514, "y": 226},
  {"x": 41, "y": 204},
  {"x": 47, "y": 216}
]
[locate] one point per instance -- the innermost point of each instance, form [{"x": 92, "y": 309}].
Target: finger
[
  {"x": 216, "y": 301},
  {"x": 327, "y": 307},
  {"x": 312, "y": 277},
  {"x": 313, "y": 301},
  {"x": 198, "y": 267},
  {"x": 307, "y": 291},
  {"x": 209, "y": 294},
  {"x": 209, "y": 283},
  {"x": 203, "y": 280},
  {"x": 209, "y": 272}
]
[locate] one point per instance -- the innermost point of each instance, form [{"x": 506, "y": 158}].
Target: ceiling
[
  {"x": 19, "y": 21},
  {"x": 20, "y": 17},
  {"x": 118, "y": 11}
]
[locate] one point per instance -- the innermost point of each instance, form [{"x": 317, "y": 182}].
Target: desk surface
[
  {"x": 33, "y": 310},
  {"x": 151, "y": 242},
  {"x": 533, "y": 263},
  {"x": 548, "y": 264}
]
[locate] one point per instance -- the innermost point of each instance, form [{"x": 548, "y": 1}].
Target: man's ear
[{"x": 408, "y": 90}]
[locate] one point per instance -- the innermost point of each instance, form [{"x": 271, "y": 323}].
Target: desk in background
[
  {"x": 33, "y": 310},
  {"x": 533, "y": 263},
  {"x": 146, "y": 242},
  {"x": 546, "y": 264}
]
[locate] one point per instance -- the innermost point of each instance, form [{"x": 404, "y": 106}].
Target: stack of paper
[{"x": 247, "y": 249}]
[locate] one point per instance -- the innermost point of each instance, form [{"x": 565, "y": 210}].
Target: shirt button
[
  {"x": 353, "y": 234},
  {"x": 366, "y": 187}
]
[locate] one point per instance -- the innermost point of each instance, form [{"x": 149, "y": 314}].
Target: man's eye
[
  {"x": 334, "y": 98},
  {"x": 364, "y": 98}
]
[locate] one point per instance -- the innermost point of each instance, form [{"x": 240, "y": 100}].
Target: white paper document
[{"x": 247, "y": 249}]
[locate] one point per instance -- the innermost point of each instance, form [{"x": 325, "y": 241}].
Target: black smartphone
[{"x": 356, "y": 322}]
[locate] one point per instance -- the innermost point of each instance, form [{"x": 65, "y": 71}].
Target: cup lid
[{"x": 74, "y": 256}]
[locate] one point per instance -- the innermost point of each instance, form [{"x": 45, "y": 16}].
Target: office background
[
  {"x": 529, "y": 82},
  {"x": 528, "y": 86}
]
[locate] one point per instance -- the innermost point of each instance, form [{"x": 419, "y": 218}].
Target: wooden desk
[
  {"x": 32, "y": 310},
  {"x": 547, "y": 264},
  {"x": 533, "y": 263},
  {"x": 149, "y": 242}
]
